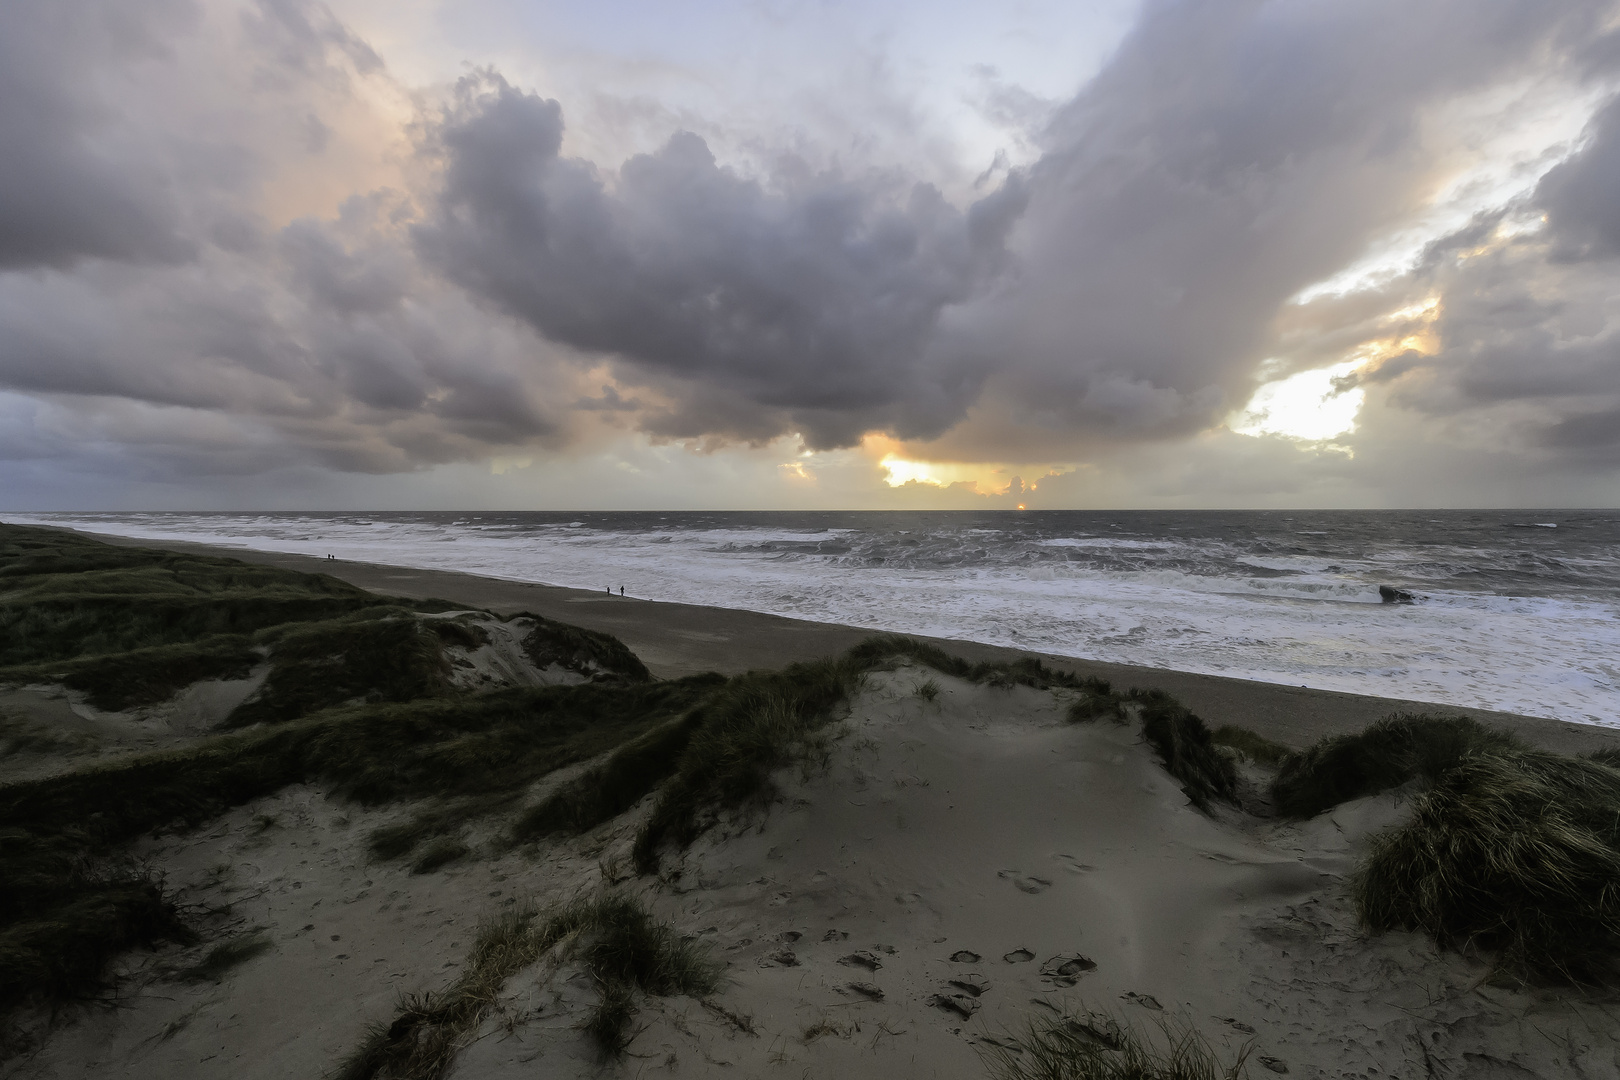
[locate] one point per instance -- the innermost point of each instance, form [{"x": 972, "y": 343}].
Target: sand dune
[{"x": 954, "y": 868}]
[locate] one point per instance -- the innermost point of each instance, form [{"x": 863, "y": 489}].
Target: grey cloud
[
  {"x": 1582, "y": 195},
  {"x": 813, "y": 297},
  {"x": 1230, "y": 155},
  {"x": 1530, "y": 348},
  {"x": 70, "y": 185}
]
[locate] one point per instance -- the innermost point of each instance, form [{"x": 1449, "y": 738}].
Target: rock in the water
[{"x": 1391, "y": 595}]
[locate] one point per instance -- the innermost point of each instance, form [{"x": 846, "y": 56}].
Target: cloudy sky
[{"x": 809, "y": 253}]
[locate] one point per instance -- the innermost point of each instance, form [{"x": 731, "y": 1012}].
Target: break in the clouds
[{"x": 236, "y": 244}]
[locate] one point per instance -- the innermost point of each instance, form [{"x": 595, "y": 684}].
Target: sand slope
[{"x": 957, "y": 867}]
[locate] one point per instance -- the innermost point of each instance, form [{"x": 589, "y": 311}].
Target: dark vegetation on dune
[
  {"x": 1509, "y": 849},
  {"x": 1098, "y": 1046},
  {"x": 131, "y": 627},
  {"x": 622, "y": 947}
]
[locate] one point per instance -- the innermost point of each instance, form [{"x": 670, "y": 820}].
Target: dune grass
[
  {"x": 225, "y": 957},
  {"x": 588, "y": 652},
  {"x": 623, "y": 947},
  {"x": 1513, "y": 851},
  {"x": 1251, "y": 745},
  {"x": 440, "y": 853},
  {"x": 1185, "y": 746},
  {"x": 64, "y": 913},
  {"x": 147, "y": 676},
  {"x": 64, "y": 596},
  {"x": 380, "y": 654},
  {"x": 1388, "y": 754},
  {"x": 1101, "y": 1047}
]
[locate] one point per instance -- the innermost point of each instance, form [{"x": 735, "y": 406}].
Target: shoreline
[{"x": 676, "y": 639}]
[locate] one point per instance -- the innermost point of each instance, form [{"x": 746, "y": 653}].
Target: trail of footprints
[{"x": 959, "y": 992}]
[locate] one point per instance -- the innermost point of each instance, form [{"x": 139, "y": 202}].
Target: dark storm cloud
[{"x": 810, "y": 296}]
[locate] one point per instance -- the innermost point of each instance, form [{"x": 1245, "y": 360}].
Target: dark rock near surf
[{"x": 1390, "y": 595}]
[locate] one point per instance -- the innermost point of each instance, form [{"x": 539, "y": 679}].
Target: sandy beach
[{"x": 683, "y": 639}]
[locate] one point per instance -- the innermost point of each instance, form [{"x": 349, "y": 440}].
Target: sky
[{"x": 538, "y": 254}]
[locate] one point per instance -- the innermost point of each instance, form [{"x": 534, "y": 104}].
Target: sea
[{"x": 1510, "y": 610}]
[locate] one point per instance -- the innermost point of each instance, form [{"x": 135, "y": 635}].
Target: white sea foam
[{"x": 1312, "y": 619}]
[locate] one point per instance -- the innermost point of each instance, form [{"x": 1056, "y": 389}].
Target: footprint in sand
[
  {"x": 1019, "y": 956},
  {"x": 784, "y": 957},
  {"x": 1065, "y": 969},
  {"x": 1072, "y": 864},
  {"x": 975, "y": 985},
  {"x": 961, "y": 1004},
  {"x": 866, "y": 990},
  {"x": 965, "y": 956},
  {"x": 1235, "y": 1024},
  {"x": 1274, "y": 1065},
  {"x": 835, "y": 935},
  {"x": 861, "y": 959},
  {"x": 788, "y": 937},
  {"x": 1026, "y": 882},
  {"x": 1147, "y": 1001}
]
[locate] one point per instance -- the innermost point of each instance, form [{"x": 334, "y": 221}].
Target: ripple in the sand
[
  {"x": 1019, "y": 956},
  {"x": 965, "y": 956}
]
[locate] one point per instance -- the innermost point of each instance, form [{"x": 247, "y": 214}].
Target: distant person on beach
[{"x": 621, "y": 590}]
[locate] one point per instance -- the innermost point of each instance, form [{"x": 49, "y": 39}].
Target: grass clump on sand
[
  {"x": 1098, "y": 1047},
  {"x": 62, "y": 920},
  {"x": 622, "y": 946},
  {"x": 1251, "y": 745},
  {"x": 384, "y": 654},
  {"x": 1183, "y": 742},
  {"x": 225, "y": 957},
  {"x": 754, "y": 725},
  {"x": 1387, "y": 754},
  {"x": 1515, "y": 851},
  {"x": 605, "y": 792},
  {"x": 440, "y": 853}
]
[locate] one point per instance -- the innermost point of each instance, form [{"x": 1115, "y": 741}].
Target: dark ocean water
[{"x": 1512, "y": 609}]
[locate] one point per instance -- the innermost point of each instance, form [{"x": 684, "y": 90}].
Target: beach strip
[{"x": 675, "y": 639}]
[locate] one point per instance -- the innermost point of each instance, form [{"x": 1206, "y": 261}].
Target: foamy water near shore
[{"x": 1515, "y": 610}]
